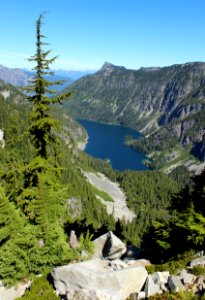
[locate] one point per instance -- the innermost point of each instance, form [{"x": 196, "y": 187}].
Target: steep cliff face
[{"x": 160, "y": 102}]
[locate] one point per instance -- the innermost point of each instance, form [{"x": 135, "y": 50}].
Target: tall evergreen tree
[
  {"x": 43, "y": 128},
  {"x": 43, "y": 124}
]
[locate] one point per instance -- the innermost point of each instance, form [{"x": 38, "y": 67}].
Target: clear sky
[{"x": 86, "y": 33}]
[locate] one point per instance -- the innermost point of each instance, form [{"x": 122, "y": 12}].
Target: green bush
[
  {"x": 185, "y": 295},
  {"x": 198, "y": 271},
  {"x": 86, "y": 245},
  {"x": 40, "y": 290}
]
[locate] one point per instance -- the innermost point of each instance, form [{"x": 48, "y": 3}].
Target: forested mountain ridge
[{"x": 166, "y": 104}]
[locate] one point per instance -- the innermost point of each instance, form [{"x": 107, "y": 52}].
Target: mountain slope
[
  {"x": 17, "y": 77},
  {"x": 166, "y": 104}
]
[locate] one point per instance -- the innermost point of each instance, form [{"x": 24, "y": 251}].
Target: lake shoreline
[{"x": 107, "y": 141}]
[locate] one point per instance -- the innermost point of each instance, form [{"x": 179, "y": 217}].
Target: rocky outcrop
[
  {"x": 91, "y": 280},
  {"x": 151, "y": 288},
  {"x": 118, "y": 208},
  {"x": 200, "y": 261},
  {"x": 109, "y": 246},
  {"x": 106, "y": 278}
]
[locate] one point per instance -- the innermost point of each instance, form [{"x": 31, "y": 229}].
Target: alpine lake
[{"x": 108, "y": 142}]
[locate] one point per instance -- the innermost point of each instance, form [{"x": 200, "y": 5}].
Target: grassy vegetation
[
  {"x": 40, "y": 289},
  {"x": 102, "y": 194},
  {"x": 182, "y": 295}
]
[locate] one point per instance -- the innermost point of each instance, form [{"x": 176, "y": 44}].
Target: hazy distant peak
[{"x": 107, "y": 66}]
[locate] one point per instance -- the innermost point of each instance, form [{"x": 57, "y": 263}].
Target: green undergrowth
[
  {"x": 172, "y": 265},
  {"x": 198, "y": 270},
  {"x": 40, "y": 289},
  {"x": 102, "y": 194}
]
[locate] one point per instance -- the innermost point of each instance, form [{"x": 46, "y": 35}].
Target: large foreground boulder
[
  {"x": 93, "y": 280},
  {"x": 109, "y": 246}
]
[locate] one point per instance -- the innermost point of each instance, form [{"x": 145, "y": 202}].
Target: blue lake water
[{"x": 107, "y": 142}]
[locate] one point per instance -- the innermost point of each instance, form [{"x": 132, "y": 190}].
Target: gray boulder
[
  {"x": 93, "y": 280},
  {"x": 109, "y": 246},
  {"x": 187, "y": 278},
  {"x": 200, "y": 261},
  {"x": 13, "y": 292},
  {"x": 160, "y": 278},
  {"x": 175, "y": 284},
  {"x": 151, "y": 288}
]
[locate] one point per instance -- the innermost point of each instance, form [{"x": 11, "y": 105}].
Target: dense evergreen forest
[{"x": 44, "y": 194}]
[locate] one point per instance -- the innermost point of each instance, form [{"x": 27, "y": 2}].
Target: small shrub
[
  {"x": 40, "y": 290},
  {"x": 86, "y": 245},
  {"x": 198, "y": 271}
]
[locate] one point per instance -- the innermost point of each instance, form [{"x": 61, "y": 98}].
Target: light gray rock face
[
  {"x": 175, "y": 284},
  {"x": 141, "y": 295},
  {"x": 151, "y": 288},
  {"x": 160, "y": 278},
  {"x": 84, "y": 294},
  {"x": 200, "y": 261},
  {"x": 13, "y": 292},
  {"x": 187, "y": 278},
  {"x": 93, "y": 280},
  {"x": 108, "y": 246},
  {"x": 117, "y": 264}
]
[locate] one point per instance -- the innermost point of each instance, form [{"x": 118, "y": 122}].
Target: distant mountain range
[
  {"x": 166, "y": 104},
  {"x": 20, "y": 77}
]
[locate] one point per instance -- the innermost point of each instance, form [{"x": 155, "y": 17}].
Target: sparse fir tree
[
  {"x": 43, "y": 125},
  {"x": 44, "y": 128}
]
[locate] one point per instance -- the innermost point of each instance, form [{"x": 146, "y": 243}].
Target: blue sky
[{"x": 86, "y": 33}]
